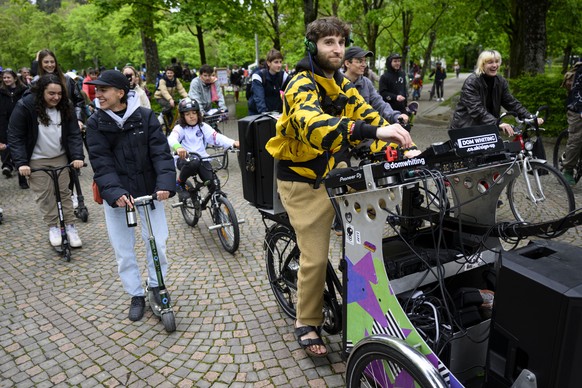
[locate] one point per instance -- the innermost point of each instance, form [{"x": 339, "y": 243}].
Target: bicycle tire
[
  {"x": 556, "y": 196},
  {"x": 559, "y": 155},
  {"x": 229, "y": 235},
  {"x": 377, "y": 365},
  {"x": 190, "y": 212},
  {"x": 282, "y": 260}
]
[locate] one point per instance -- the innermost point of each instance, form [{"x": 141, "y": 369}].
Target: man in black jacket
[
  {"x": 393, "y": 84},
  {"x": 130, "y": 157}
]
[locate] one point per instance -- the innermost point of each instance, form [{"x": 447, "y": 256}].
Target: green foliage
[{"x": 543, "y": 89}]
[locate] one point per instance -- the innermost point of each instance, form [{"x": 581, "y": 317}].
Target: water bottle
[{"x": 130, "y": 216}]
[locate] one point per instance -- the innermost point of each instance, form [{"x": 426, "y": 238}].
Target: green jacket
[{"x": 316, "y": 122}]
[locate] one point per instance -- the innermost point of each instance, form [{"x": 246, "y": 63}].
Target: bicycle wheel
[
  {"x": 560, "y": 150},
  {"x": 191, "y": 206},
  {"x": 229, "y": 233},
  {"x": 550, "y": 197},
  {"x": 282, "y": 266},
  {"x": 376, "y": 364}
]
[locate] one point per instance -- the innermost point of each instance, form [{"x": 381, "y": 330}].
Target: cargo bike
[{"x": 421, "y": 252}]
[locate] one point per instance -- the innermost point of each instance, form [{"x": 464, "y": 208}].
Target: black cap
[
  {"x": 357, "y": 52},
  {"x": 395, "y": 56},
  {"x": 112, "y": 78}
]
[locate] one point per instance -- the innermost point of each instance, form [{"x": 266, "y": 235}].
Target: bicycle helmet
[{"x": 187, "y": 105}]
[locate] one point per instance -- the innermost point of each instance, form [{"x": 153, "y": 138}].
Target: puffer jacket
[
  {"x": 472, "y": 110},
  {"x": 129, "y": 158},
  {"x": 319, "y": 116},
  {"x": 23, "y": 133}
]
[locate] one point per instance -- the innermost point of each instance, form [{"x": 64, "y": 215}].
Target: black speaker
[
  {"x": 256, "y": 164},
  {"x": 537, "y": 316}
]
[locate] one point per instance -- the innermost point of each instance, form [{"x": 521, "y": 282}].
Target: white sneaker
[
  {"x": 73, "y": 236},
  {"x": 55, "y": 236},
  {"x": 75, "y": 201}
]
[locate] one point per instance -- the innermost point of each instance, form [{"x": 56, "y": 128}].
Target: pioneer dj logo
[{"x": 476, "y": 143}]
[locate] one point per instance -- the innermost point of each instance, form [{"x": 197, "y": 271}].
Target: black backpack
[{"x": 249, "y": 86}]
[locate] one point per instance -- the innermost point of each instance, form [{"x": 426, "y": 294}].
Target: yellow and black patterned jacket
[{"x": 317, "y": 121}]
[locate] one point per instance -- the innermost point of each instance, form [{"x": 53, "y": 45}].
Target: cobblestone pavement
[{"x": 65, "y": 324}]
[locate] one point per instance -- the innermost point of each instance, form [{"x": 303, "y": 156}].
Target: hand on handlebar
[
  {"x": 182, "y": 153},
  {"x": 395, "y": 133},
  {"x": 507, "y": 128},
  {"x": 162, "y": 195},
  {"x": 78, "y": 164},
  {"x": 24, "y": 170},
  {"x": 124, "y": 200}
]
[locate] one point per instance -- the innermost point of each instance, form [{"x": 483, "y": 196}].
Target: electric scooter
[
  {"x": 54, "y": 172},
  {"x": 160, "y": 303}
]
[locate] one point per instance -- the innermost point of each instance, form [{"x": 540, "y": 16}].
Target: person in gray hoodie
[
  {"x": 130, "y": 157},
  {"x": 354, "y": 68}
]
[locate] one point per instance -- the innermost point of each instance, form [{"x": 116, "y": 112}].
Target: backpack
[
  {"x": 249, "y": 86},
  {"x": 568, "y": 79}
]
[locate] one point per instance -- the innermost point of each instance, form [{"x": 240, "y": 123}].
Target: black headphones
[{"x": 311, "y": 46}]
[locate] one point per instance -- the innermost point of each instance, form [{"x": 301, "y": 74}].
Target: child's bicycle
[
  {"x": 560, "y": 155},
  {"x": 194, "y": 200},
  {"x": 54, "y": 172},
  {"x": 159, "y": 302}
]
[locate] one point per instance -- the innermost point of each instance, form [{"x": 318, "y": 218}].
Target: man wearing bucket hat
[
  {"x": 131, "y": 158},
  {"x": 354, "y": 67}
]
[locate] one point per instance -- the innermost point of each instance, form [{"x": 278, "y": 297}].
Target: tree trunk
[
  {"x": 428, "y": 53},
  {"x": 528, "y": 46},
  {"x": 201, "y": 48},
  {"x": 150, "y": 48},
  {"x": 407, "y": 17},
  {"x": 309, "y": 11},
  {"x": 566, "y": 60}
]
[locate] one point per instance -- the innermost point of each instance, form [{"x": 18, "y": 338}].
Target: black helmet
[{"x": 187, "y": 105}]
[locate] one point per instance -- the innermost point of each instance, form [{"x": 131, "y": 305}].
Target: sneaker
[
  {"x": 73, "y": 236},
  {"x": 75, "y": 201},
  {"x": 569, "y": 176},
  {"x": 55, "y": 236},
  {"x": 7, "y": 172},
  {"x": 137, "y": 308}
]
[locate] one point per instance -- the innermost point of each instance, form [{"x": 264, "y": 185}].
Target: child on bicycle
[{"x": 192, "y": 135}]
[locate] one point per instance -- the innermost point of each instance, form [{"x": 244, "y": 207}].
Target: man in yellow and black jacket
[{"x": 323, "y": 113}]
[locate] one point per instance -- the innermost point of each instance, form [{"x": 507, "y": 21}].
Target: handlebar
[
  {"x": 57, "y": 168},
  {"x": 145, "y": 199}
]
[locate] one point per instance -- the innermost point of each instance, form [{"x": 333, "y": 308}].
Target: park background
[{"x": 538, "y": 39}]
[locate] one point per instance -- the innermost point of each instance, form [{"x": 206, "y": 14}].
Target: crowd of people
[{"x": 326, "y": 104}]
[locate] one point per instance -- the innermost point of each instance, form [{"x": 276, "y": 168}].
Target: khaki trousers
[
  {"x": 311, "y": 214},
  {"x": 42, "y": 185},
  {"x": 574, "y": 145}
]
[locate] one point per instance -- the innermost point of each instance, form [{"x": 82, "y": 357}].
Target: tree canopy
[{"x": 112, "y": 33}]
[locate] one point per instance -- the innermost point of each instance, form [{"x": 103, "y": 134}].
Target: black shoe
[
  {"x": 137, "y": 308},
  {"x": 7, "y": 172}
]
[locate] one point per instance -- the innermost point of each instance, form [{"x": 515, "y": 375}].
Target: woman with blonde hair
[{"x": 483, "y": 95}]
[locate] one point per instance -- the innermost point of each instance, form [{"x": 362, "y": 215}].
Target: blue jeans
[{"x": 122, "y": 240}]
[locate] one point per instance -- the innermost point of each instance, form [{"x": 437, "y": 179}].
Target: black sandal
[{"x": 308, "y": 342}]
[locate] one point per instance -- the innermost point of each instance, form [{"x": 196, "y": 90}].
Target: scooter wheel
[
  {"x": 67, "y": 254},
  {"x": 169, "y": 321}
]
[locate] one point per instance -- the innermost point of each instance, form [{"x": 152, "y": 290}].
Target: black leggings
[{"x": 193, "y": 167}]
